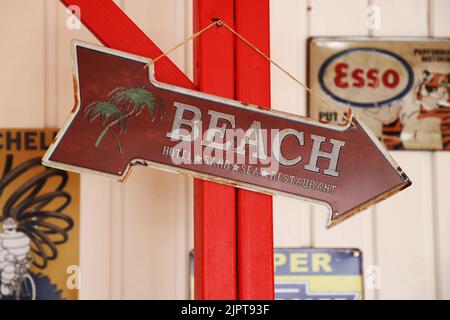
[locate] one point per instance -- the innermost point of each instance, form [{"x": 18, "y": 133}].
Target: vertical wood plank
[
  {"x": 405, "y": 247},
  {"x": 95, "y": 233},
  {"x": 64, "y": 83},
  {"x": 343, "y": 19},
  {"x": 95, "y": 193},
  {"x": 50, "y": 9},
  {"x": 405, "y": 244},
  {"x": 151, "y": 216},
  {"x": 402, "y": 17},
  {"x": 214, "y": 204},
  {"x": 117, "y": 234},
  {"x": 151, "y": 261},
  {"x": 189, "y": 184},
  {"x": 441, "y": 178},
  {"x": 288, "y": 36},
  {"x": 440, "y": 26},
  {"x": 117, "y": 258},
  {"x": 255, "y": 274},
  {"x": 22, "y": 61},
  {"x": 184, "y": 229},
  {"x": 188, "y": 49}
]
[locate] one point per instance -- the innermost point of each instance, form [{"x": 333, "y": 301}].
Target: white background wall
[{"x": 135, "y": 237}]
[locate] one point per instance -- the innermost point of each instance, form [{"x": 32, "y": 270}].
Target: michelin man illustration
[
  {"x": 14, "y": 249},
  {"x": 33, "y": 223}
]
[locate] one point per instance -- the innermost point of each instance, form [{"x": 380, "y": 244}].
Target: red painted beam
[
  {"x": 214, "y": 204},
  {"x": 254, "y": 210},
  {"x": 112, "y": 27}
]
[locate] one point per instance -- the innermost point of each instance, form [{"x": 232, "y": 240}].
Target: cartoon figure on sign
[
  {"x": 433, "y": 94},
  {"x": 430, "y": 122},
  {"x": 33, "y": 224},
  {"x": 14, "y": 261},
  {"x": 384, "y": 123},
  {"x": 433, "y": 90}
]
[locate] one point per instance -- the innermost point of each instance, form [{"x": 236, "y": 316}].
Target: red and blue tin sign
[
  {"x": 398, "y": 86},
  {"x": 318, "y": 274}
]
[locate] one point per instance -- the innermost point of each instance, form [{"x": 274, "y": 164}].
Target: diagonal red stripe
[{"x": 112, "y": 27}]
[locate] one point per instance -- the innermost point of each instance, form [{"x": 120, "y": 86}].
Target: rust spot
[
  {"x": 246, "y": 104},
  {"x": 139, "y": 163},
  {"x": 75, "y": 94},
  {"x": 54, "y": 140},
  {"x": 263, "y": 107}
]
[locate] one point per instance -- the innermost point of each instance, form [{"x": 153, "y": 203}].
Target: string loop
[{"x": 219, "y": 23}]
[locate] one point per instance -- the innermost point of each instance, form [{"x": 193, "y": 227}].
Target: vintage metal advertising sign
[
  {"x": 313, "y": 274},
  {"x": 318, "y": 274},
  {"x": 39, "y": 242},
  {"x": 124, "y": 117},
  {"x": 398, "y": 86}
]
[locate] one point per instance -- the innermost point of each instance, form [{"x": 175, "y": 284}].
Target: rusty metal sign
[
  {"x": 124, "y": 117},
  {"x": 400, "y": 87}
]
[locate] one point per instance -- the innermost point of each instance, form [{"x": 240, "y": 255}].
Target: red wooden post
[
  {"x": 214, "y": 204},
  {"x": 254, "y": 213},
  {"x": 213, "y": 57}
]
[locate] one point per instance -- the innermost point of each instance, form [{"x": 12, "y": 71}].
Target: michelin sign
[{"x": 39, "y": 214}]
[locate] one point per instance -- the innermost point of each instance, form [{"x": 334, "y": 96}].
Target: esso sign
[
  {"x": 366, "y": 77},
  {"x": 360, "y": 78}
]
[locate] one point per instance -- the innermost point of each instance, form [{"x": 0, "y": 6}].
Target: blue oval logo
[{"x": 366, "y": 77}]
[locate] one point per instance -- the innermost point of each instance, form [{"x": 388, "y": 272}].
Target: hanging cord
[
  {"x": 220, "y": 23},
  {"x": 195, "y": 35}
]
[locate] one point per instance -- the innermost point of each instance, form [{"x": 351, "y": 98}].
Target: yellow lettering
[
  {"x": 321, "y": 260},
  {"x": 280, "y": 259},
  {"x": 299, "y": 262}
]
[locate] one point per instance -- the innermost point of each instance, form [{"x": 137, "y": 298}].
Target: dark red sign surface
[{"x": 124, "y": 117}]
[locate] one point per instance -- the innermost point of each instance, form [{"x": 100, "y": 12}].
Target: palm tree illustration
[{"x": 121, "y": 104}]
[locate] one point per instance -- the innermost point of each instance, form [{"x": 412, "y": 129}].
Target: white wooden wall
[{"x": 135, "y": 237}]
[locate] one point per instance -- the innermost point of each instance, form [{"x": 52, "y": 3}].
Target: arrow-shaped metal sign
[{"x": 124, "y": 117}]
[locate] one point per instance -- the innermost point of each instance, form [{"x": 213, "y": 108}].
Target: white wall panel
[
  {"x": 439, "y": 25},
  {"x": 288, "y": 29},
  {"x": 135, "y": 237},
  {"x": 331, "y": 19},
  {"x": 402, "y": 17},
  {"x": 343, "y": 17},
  {"x": 95, "y": 193},
  {"x": 155, "y": 203},
  {"x": 22, "y": 63},
  {"x": 404, "y": 231},
  {"x": 405, "y": 245}
]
